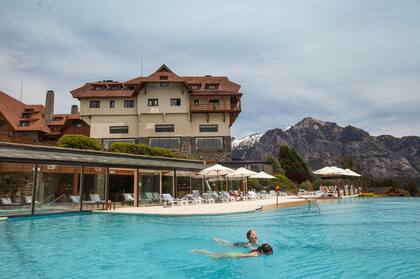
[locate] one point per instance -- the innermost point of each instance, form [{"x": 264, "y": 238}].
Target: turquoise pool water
[{"x": 355, "y": 238}]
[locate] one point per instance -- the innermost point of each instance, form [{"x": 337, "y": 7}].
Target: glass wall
[
  {"x": 121, "y": 186},
  {"x": 16, "y": 183},
  {"x": 197, "y": 184},
  {"x": 167, "y": 185},
  {"x": 57, "y": 189},
  {"x": 149, "y": 189},
  {"x": 93, "y": 187},
  {"x": 183, "y": 186}
]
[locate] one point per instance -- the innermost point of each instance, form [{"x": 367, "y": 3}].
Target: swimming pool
[{"x": 353, "y": 238}]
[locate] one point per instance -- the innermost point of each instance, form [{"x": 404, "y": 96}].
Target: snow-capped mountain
[{"x": 246, "y": 142}]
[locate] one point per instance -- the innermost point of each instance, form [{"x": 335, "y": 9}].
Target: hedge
[
  {"x": 79, "y": 142},
  {"x": 141, "y": 149}
]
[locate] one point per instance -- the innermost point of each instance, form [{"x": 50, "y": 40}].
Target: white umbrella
[
  {"x": 349, "y": 172},
  {"x": 262, "y": 175},
  {"x": 216, "y": 170},
  {"x": 241, "y": 173},
  {"x": 330, "y": 171}
]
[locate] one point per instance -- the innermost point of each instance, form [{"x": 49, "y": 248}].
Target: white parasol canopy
[
  {"x": 241, "y": 173},
  {"x": 262, "y": 175},
  {"x": 349, "y": 172},
  {"x": 330, "y": 171},
  {"x": 216, "y": 170}
]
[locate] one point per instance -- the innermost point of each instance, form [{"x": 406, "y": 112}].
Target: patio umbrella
[
  {"x": 349, "y": 172},
  {"x": 215, "y": 171},
  {"x": 262, "y": 175},
  {"x": 241, "y": 173},
  {"x": 330, "y": 171}
]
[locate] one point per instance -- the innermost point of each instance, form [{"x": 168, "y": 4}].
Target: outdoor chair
[
  {"x": 192, "y": 199},
  {"x": 148, "y": 196},
  {"x": 252, "y": 195},
  {"x": 96, "y": 199},
  {"x": 8, "y": 202},
  {"x": 156, "y": 196},
  {"x": 172, "y": 201},
  {"x": 76, "y": 200},
  {"x": 208, "y": 198},
  {"x": 28, "y": 200},
  {"x": 127, "y": 198},
  {"x": 227, "y": 196}
]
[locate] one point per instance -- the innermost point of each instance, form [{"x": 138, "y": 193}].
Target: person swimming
[
  {"x": 251, "y": 235},
  {"x": 264, "y": 249}
]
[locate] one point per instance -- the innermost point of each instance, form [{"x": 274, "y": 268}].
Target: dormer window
[
  {"x": 196, "y": 86},
  {"x": 131, "y": 87},
  {"x": 26, "y": 115},
  {"x": 57, "y": 118},
  {"x": 100, "y": 88},
  {"x": 115, "y": 87},
  {"x": 212, "y": 86},
  {"x": 24, "y": 123},
  {"x": 163, "y": 77},
  {"x": 29, "y": 110}
]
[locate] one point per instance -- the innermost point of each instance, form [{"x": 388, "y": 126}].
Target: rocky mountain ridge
[{"x": 322, "y": 143}]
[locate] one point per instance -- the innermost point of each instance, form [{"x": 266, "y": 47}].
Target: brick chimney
[
  {"x": 74, "y": 109},
  {"x": 49, "y": 105}
]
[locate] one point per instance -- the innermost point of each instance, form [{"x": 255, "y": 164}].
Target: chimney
[
  {"x": 49, "y": 105},
  {"x": 74, "y": 109}
]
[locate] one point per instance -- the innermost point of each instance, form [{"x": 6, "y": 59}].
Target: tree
[
  {"x": 294, "y": 167},
  {"x": 277, "y": 169},
  {"x": 79, "y": 142}
]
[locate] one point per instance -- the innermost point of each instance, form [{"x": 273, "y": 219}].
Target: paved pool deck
[{"x": 212, "y": 209}]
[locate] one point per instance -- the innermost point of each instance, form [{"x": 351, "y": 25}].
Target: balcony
[{"x": 215, "y": 107}]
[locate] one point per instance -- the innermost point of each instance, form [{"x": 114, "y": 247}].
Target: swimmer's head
[
  {"x": 252, "y": 236},
  {"x": 265, "y": 249}
]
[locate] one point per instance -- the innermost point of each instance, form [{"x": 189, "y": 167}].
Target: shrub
[
  {"x": 79, "y": 142},
  {"x": 140, "y": 149},
  {"x": 294, "y": 167}
]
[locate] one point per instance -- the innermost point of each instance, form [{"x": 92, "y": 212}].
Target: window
[
  {"x": 214, "y": 101},
  {"x": 175, "y": 102},
  {"x": 195, "y": 86},
  {"x": 100, "y": 88},
  {"x": 164, "y": 128},
  {"x": 95, "y": 104},
  {"x": 163, "y": 77},
  {"x": 129, "y": 103},
  {"x": 152, "y": 102},
  {"x": 112, "y": 104},
  {"x": 208, "y": 143},
  {"x": 24, "y": 123},
  {"x": 2, "y": 124},
  {"x": 115, "y": 87},
  {"x": 106, "y": 143},
  {"x": 169, "y": 143},
  {"x": 164, "y": 84},
  {"x": 212, "y": 86},
  {"x": 118, "y": 129},
  {"x": 26, "y": 115},
  {"x": 209, "y": 128},
  {"x": 196, "y": 103}
]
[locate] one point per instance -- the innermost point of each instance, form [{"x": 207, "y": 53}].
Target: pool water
[{"x": 354, "y": 238}]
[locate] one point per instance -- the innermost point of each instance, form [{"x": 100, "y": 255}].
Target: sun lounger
[
  {"x": 227, "y": 197},
  {"x": 6, "y": 201},
  {"x": 208, "y": 198},
  {"x": 172, "y": 201},
  {"x": 127, "y": 198},
  {"x": 192, "y": 199},
  {"x": 28, "y": 200},
  {"x": 96, "y": 199},
  {"x": 76, "y": 200}
]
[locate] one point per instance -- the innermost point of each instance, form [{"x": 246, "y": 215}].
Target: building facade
[{"x": 189, "y": 115}]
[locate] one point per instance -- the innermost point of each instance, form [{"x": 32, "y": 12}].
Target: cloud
[{"x": 351, "y": 62}]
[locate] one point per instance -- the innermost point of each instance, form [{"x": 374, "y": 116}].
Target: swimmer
[
  {"x": 264, "y": 249},
  {"x": 251, "y": 235}
]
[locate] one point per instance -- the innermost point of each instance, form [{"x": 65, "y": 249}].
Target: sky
[{"x": 350, "y": 62}]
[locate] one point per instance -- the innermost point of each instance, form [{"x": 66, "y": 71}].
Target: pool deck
[{"x": 211, "y": 209}]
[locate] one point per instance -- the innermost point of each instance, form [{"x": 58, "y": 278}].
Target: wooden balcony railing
[{"x": 215, "y": 107}]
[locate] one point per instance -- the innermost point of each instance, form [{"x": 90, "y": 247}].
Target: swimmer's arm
[
  {"x": 202, "y": 252},
  {"x": 234, "y": 255}
]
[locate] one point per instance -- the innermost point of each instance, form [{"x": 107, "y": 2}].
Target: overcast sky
[{"x": 351, "y": 62}]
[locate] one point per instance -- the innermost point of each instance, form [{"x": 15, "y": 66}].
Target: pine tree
[{"x": 294, "y": 167}]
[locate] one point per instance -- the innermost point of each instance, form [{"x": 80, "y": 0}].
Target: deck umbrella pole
[{"x": 160, "y": 188}]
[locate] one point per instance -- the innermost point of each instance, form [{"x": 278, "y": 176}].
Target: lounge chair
[
  {"x": 76, "y": 200},
  {"x": 192, "y": 199},
  {"x": 227, "y": 197},
  {"x": 252, "y": 195},
  {"x": 127, "y": 198},
  {"x": 156, "y": 196},
  {"x": 171, "y": 200},
  {"x": 96, "y": 199},
  {"x": 148, "y": 196},
  {"x": 208, "y": 198},
  {"x": 6, "y": 201},
  {"x": 28, "y": 200}
]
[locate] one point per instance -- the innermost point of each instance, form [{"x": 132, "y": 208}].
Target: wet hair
[
  {"x": 265, "y": 249},
  {"x": 248, "y": 233}
]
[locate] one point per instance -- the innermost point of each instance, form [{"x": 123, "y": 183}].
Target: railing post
[{"x": 34, "y": 189}]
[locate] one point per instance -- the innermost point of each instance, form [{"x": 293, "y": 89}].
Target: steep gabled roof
[{"x": 12, "y": 110}]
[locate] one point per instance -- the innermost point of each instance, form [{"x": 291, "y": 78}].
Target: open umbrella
[
  {"x": 241, "y": 173},
  {"x": 330, "y": 171},
  {"x": 349, "y": 172},
  {"x": 215, "y": 171},
  {"x": 262, "y": 175}
]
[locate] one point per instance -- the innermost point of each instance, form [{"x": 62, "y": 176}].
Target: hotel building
[{"x": 190, "y": 115}]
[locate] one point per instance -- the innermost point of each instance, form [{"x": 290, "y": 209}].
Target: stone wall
[{"x": 16, "y": 185}]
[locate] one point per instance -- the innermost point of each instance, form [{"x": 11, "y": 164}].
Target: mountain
[{"x": 322, "y": 143}]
